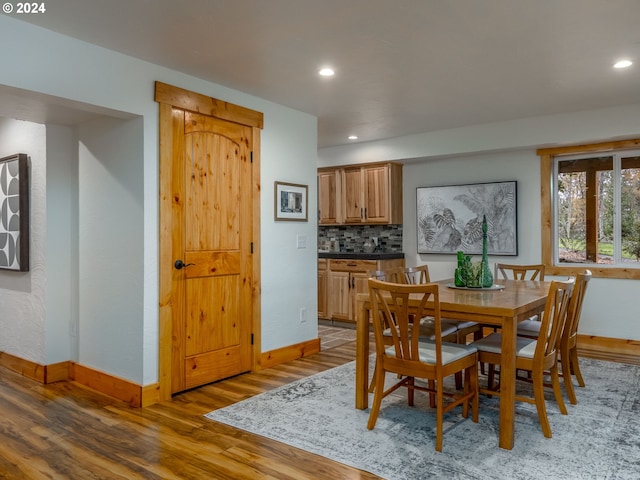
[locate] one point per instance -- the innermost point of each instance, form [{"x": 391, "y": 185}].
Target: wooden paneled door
[{"x": 207, "y": 239}]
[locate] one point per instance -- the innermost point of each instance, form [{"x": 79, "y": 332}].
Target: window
[{"x": 591, "y": 209}]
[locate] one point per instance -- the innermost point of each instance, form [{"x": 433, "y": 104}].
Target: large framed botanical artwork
[
  {"x": 14, "y": 213},
  {"x": 449, "y": 218}
]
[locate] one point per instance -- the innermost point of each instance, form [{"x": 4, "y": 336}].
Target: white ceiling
[{"x": 402, "y": 66}]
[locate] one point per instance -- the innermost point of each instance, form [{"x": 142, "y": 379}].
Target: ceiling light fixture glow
[
  {"x": 353, "y": 137},
  {"x": 623, "y": 64},
  {"x": 327, "y": 72}
]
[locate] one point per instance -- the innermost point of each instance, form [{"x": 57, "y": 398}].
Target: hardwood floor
[{"x": 66, "y": 431}]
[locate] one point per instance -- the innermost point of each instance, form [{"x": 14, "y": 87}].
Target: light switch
[{"x": 301, "y": 241}]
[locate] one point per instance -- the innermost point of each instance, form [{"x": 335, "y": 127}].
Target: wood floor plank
[{"x": 66, "y": 431}]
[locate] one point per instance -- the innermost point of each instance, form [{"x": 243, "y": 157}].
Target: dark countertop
[{"x": 362, "y": 255}]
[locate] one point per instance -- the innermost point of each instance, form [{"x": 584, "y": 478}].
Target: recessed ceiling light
[
  {"x": 353, "y": 137},
  {"x": 327, "y": 72},
  {"x": 623, "y": 64}
]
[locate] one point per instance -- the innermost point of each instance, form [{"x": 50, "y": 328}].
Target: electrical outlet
[{"x": 303, "y": 315}]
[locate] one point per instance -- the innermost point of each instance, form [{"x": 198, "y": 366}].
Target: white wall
[
  {"x": 62, "y": 245},
  {"x": 111, "y": 245},
  {"x": 22, "y": 294},
  {"x": 289, "y": 278},
  {"x": 507, "y": 151},
  {"x": 590, "y": 126},
  {"x": 475, "y": 169},
  {"x": 86, "y": 77}
]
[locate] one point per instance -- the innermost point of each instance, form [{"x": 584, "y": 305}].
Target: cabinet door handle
[{"x": 361, "y": 212}]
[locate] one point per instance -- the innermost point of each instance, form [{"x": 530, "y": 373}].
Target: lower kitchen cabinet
[{"x": 345, "y": 279}]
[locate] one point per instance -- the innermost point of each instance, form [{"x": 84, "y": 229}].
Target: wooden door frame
[{"x": 169, "y": 97}]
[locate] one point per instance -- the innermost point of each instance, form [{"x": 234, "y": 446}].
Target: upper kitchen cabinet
[
  {"x": 329, "y": 182},
  {"x": 365, "y": 194}
]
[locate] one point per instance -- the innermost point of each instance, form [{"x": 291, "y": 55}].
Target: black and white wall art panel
[{"x": 14, "y": 213}]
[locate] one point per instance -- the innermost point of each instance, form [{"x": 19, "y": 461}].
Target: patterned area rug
[{"x": 599, "y": 439}]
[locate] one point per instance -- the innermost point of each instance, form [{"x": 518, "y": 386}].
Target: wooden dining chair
[
  {"x": 411, "y": 358},
  {"x": 535, "y": 356},
  {"x": 569, "y": 341},
  {"x": 413, "y": 276},
  {"x": 416, "y": 275},
  {"x": 510, "y": 271},
  {"x": 393, "y": 275},
  {"x": 449, "y": 328},
  {"x": 420, "y": 274},
  {"x": 519, "y": 272}
]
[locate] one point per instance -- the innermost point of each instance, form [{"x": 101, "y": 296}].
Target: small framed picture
[{"x": 290, "y": 202}]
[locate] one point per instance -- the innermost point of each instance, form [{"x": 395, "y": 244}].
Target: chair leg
[
  {"x": 377, "y": 399},
  {"x": 477, "y": 335},
  {"x": 439, "y": 415},
  {"x": 473, "y": 385},
  {"x": 372, "y": 385},
  {"x": 465, "y": 392},
  {"x": 462, "y": 340},
  {"x": 491, "y": 376},
  {"x": 432, "y": 396},
  {"x": 575, "y": 367},
  {"x": 566, "y": 376},
  {"x": 411, "y": 381},
  {"x": 555, "y": 382},
  {"x": 538, "y": 393}
]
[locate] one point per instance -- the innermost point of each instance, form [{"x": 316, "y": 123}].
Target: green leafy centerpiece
[{"x": 474, "y": 274}]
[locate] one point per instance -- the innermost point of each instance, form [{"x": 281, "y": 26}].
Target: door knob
[{"x": 179, "y": 264}]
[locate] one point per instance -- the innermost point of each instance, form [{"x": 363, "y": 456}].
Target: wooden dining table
[{"x": 504, "y": 308}]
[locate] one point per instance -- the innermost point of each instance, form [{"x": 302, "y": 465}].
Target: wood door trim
[
  {"x": 257, "y": 283},
  {"x": 165, "y": 253},
  {"x": 169, "y": 97},
  {"x": 196, "y": 102}
]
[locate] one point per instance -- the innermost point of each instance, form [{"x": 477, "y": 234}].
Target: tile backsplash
[{"x": 352, "y": 237}]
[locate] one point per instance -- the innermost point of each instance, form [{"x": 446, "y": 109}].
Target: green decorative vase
[
  {"x": 487, "y": 276},
  {"x": 460, "y": 274}
]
